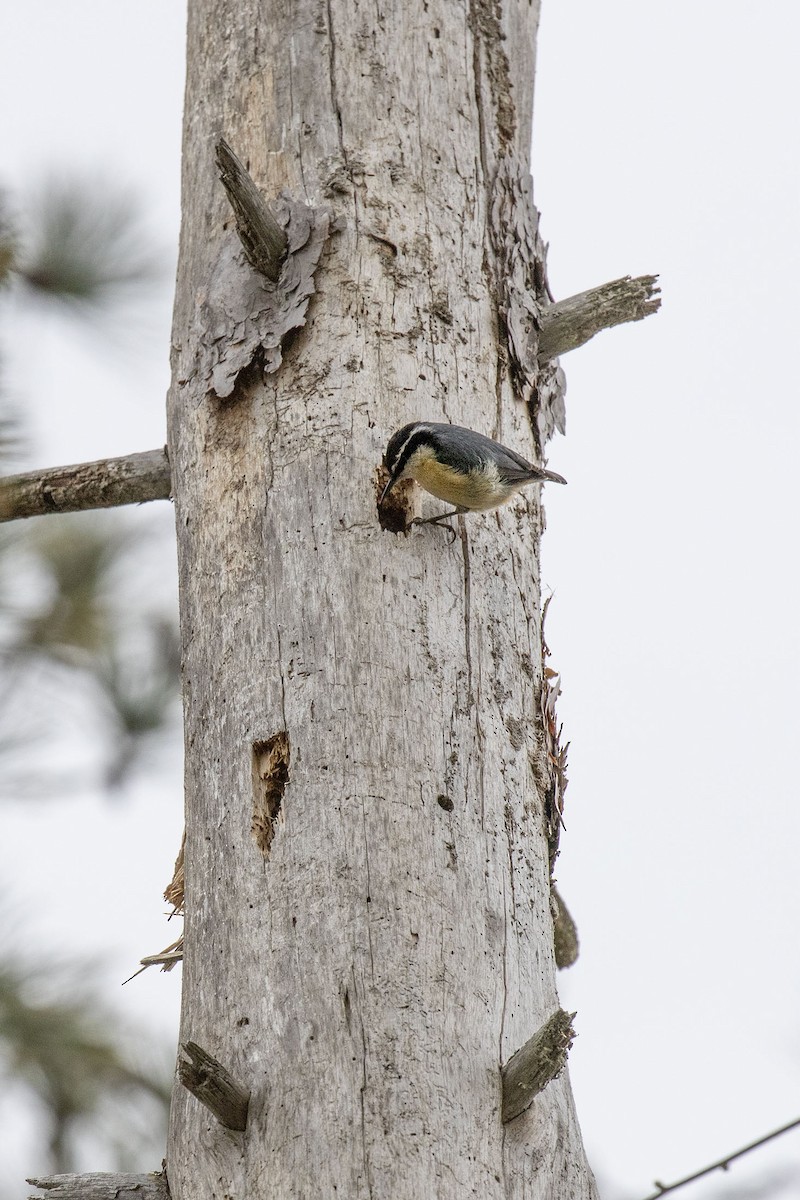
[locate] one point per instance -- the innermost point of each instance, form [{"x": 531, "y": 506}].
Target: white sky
[{"x": 665, "y": 140}]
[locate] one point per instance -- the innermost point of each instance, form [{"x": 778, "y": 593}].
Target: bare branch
[
  {"x": 102, "y": 1186},
  {"x": 107, "y": 483},
  {"x": 529, "y": 1071},
  {"x": 213, "y": 1086},
  {"x": 569, "y": 323},
  {"x": 264, "y": 241},
  {"x": 721, "y": 1164}
]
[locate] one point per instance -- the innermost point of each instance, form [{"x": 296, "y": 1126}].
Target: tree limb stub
[
  {"x": 213, "y": 1086},
  {"x": 102, "y": 1185},
  {"x": 264, "y": 241},
  {"x": 569, "y": 323},
  {"x": 535, "y": 1064},
  {"x": 107, "y": 483}
]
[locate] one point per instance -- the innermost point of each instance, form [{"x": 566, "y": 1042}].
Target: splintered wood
[{"x": 270, "y": 776}]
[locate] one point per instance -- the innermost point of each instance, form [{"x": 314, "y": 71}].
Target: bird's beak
[{"x": 387, "y": 489}]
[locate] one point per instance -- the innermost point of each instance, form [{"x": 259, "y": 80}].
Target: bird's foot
[{"x": 440, "y": 520}]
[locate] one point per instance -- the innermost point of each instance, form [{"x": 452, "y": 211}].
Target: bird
[{"x": 459, "y": 466}]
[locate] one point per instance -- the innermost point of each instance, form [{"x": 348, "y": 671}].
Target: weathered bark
[
  {"x": 107, "y": 483},
  {"x": 368, "y": 926}
]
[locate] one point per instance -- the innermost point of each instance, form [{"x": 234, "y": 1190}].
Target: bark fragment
[{"x": 565, "y": 932}]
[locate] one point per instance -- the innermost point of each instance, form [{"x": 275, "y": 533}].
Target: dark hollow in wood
[
  {"x": 570, "y": 323},
  {"x": 529, "y": 1071},
  {"x": 262, "y": 238},
  {"x": 102, "y": 1185},
  {"x": 213, "y": 1086},
  {"x": 397, "y": 510},
  {"x": 107, "y": 483},
  {"x": 270, "y": 776}
]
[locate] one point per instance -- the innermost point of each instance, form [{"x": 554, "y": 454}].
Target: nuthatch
[{"x": 459, "y": 466}]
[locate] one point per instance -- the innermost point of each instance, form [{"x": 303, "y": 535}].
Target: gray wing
[{"x": 458, "y": 445}]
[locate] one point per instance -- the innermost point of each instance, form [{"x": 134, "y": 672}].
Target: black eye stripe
[
  {"x": 420, "y": 437},
  {"x": 396, "y": 443}
]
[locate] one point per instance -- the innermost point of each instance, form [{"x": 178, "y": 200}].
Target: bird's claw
[{"x": 438, "y": 521}]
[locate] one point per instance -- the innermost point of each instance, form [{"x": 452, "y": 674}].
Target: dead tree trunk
[{"x": 368, "y": 923}]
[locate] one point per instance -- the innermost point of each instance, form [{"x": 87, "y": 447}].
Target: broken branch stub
[
  {"x": 213, "y": 1086},
  {"x": 264, "y": 241},
  {"x": 570, "y": 323},
  {"x": 565, "y": 932},
  {"x": 535, "y": 1064}
]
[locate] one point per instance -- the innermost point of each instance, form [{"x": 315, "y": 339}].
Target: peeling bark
[
  {"x": 522, "y": 290},
  {"x": 243, "y": 320}
]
